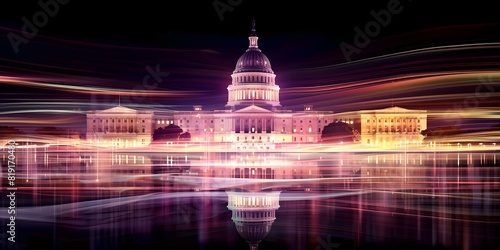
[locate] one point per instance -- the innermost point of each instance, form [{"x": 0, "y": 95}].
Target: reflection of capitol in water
[
  {"x": 360, "y": 198},
  {"x": 255, "y": 166},
  {"x": 211, "y": 171},
  {"x": 253, "y": 214}
]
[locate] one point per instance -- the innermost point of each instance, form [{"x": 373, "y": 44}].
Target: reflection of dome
[
  {"x": 253, "y": 213},
  {"x": 253, "y": 232}
]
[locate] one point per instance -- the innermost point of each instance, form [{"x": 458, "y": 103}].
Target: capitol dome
[
  {"x": 253, "y": 79},
  {"x": 253, "y": 60}
]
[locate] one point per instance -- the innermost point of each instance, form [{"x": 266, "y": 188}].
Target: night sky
[{"x": 443, "y": 57}]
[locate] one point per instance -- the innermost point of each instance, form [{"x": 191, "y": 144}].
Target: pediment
[
  {"x": 253, "y": 109},
  {"x": 119, "y": 109}
]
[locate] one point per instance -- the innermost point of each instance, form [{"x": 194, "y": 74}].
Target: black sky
[{"x": 109, "y": 44}]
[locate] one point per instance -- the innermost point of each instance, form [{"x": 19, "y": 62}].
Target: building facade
[
  {"x": 391, "y": 126},
  {"x": 119, "y": 127},
  {"x": 252, "y": 117}
]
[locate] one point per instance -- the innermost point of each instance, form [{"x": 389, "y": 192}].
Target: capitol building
[{"x": 253, "y": 116}]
